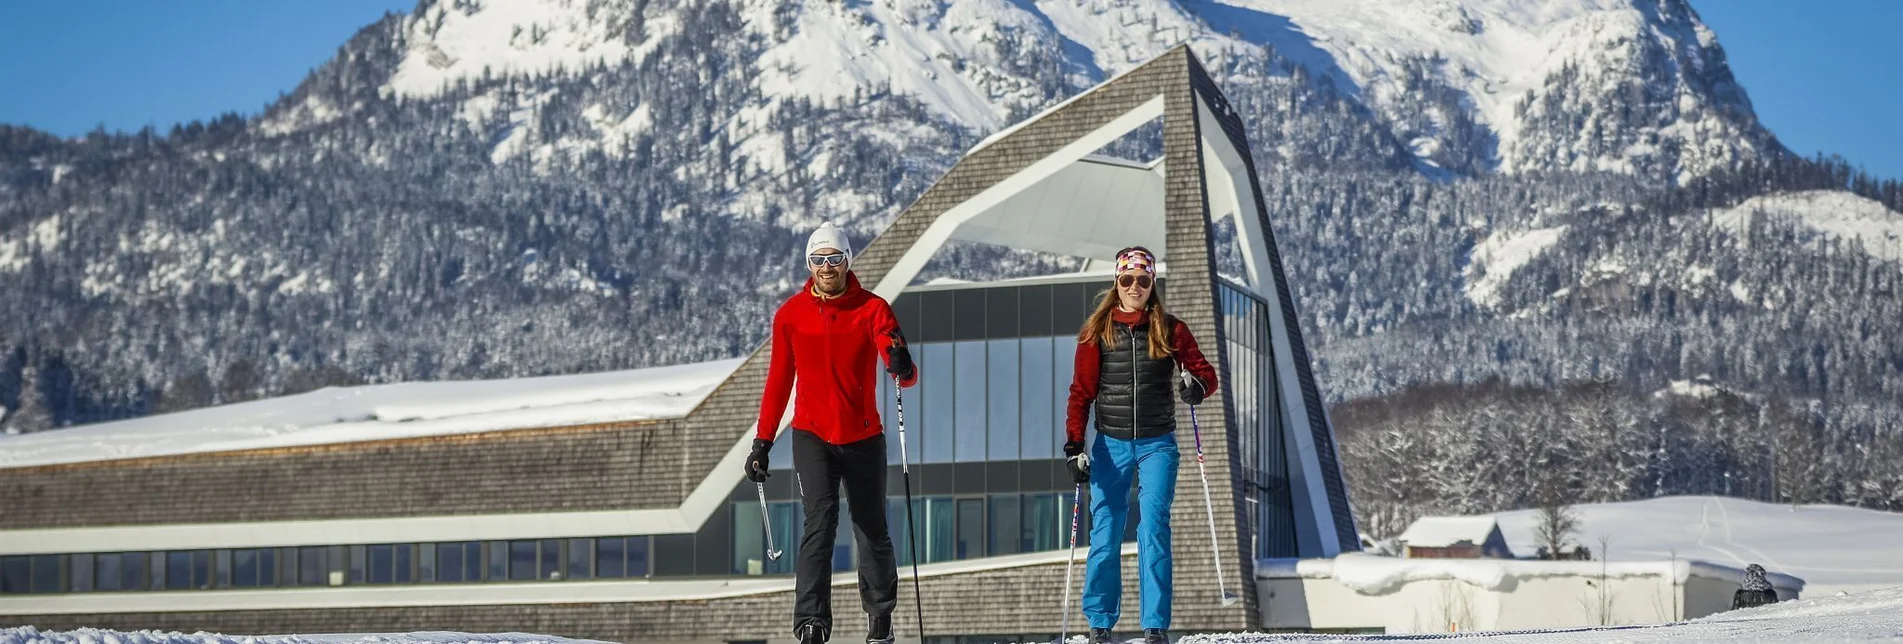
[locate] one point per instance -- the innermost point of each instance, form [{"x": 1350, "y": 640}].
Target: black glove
[
  {"x": 898, "y": 358},
  {"x": 756, "y": 462},
  {"x": 1077, "y": 461},
  {"x": 1191, "y": 389}
]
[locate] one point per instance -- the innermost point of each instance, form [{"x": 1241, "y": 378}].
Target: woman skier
[{"x": 1128, "y": 353}]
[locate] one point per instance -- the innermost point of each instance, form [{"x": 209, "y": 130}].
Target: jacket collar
[{"x": 853, "y": 291}]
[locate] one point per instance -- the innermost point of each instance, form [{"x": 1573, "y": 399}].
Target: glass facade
[
  {"x": 983, "y": 433},
  {"x": 1256, "y": 406}
]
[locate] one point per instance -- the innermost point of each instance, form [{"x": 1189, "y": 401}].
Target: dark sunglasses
[
  {"x": 828, "y": 260},
  {"x": 1142, "y": 281}
]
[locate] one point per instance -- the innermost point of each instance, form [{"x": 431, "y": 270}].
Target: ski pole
[
  {"x": 772, "y": 554},
  {"x": 911, "y": 529},
  {"x": 1215, "y": 542},
  {"x": 1070, "y": 565}
]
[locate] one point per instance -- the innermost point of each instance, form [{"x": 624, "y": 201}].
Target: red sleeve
[
  {"x": 1083, "y": 390},
  {"x": 779, "y": 379},
  {"x": 1191, "y": 357},
  {"x": 886, "y": 332}
]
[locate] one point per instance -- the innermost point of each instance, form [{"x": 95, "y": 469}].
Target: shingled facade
[{"x": 1272, "y": 445}]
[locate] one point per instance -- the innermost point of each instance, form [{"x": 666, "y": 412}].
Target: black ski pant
[{"x": 819, "y": 468}]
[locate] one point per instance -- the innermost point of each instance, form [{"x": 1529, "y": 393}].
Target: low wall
[{"x": 1360, "y": 592}]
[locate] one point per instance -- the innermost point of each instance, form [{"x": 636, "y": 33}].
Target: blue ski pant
[{"x": 1114, "y": 464}]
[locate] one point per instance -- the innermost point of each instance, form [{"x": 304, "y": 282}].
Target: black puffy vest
[{"x": 1134, "y": 394}]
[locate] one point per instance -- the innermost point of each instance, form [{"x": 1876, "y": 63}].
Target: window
[
  {"x": 551, "y": 567},
  {"x": 155, "y": 573},
  {"x": 268, "y": 567},
  {"x": 1001, "y": 399},
  {"x": 969, "y": 396},
  {"x": 244, "y": 568},
  {"x": 334, "y": 571},
  {"x": 1063, "y": 366},
  {"x": 188, "y": 569},
  {"x": 521, "y": 560},
  {"x": 358, "y": 557},
  {"x": 178, "y": 570},
  {"x": 118, "y": 571},
  {"x": 498, "y": 560},
  {"x": 287, "y": 567},
  {"x": 1036, "y": 435},
  {"x": 472, "y": 561},
  {"x": 581, "y": 558},
  {"x": 901, "y": 532},
  {"x": 971, "y": 528},
  {"x": 1046, "y": 523},
  {"x": 940, "y": 528},
  {"x": 16, "y": 575},
  {"x": 405, "y": 570},
  {"x": 449, "y": 562},
  {"x": 1004, "y": 537},
  {"x": 81, "y": 575},
  {"x": 638, "y": 556},
  {"x": 108, "y": 573},
  {"x": 313, "y": 568},
  {"x": 788, "y": 524},
  {"x": 749, "y": 536},
  {"x": 221, "y": 568},
  {"x": 936, "y": 416},
  {"x": 426, "y": 562},
  {"x": 611, "y": 558}
]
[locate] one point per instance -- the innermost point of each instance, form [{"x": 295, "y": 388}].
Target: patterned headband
[{"x": 1136, "y": 258}]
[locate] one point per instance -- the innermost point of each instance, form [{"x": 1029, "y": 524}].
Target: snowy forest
[{"x": 1666, "y": 338}]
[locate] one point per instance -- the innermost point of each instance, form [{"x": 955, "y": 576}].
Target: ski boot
[
  {"x": 1101, "y": 636},
  {"x": 1156, "y": 636},
  {"x": 878, "y": 629}
]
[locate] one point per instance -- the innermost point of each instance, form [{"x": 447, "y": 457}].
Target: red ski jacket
[{"x": 831, "y": 347}]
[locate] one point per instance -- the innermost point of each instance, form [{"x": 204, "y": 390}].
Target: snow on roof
[
  {"x": 31, "y": 635},
  {"x": 1441, "y": 532},
  {"x": 376, "y": 412}
]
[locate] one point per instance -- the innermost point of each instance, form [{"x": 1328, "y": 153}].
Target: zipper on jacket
[{"x": 1134, "y": 387}]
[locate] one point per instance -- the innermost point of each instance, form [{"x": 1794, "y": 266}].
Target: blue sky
[{"x": 1823, "y": 75}]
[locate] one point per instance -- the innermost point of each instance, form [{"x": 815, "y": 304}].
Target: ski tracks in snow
[{"x": 1724, "y": 518}]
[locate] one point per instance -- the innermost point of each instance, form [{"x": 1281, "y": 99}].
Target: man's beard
[{"x": 831, "y": 285}]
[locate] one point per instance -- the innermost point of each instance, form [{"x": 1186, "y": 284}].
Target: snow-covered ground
[
  {"x": 30, "y": 635},
  {"x": 1832, "y": 548},
  {"x": 1872, "y": 616},
  {"x": 376, "y": 412}
]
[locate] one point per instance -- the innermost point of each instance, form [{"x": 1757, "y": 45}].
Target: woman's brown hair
[{"x": 1098, "y": 330}]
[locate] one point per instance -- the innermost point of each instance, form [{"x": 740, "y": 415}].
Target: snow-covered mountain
[
  {"x": 1631, "y": 86},
  {"x": 1540, "y": 192}
]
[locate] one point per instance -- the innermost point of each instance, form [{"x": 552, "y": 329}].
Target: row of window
[
  {"x": 392, "y": 563},
  {"x": 949, "y": 528}
]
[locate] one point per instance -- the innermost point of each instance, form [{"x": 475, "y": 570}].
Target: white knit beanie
[{"x": 829, "y": 235}]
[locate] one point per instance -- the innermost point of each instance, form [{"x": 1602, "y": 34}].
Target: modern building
[{"x": 549, "y": 509}]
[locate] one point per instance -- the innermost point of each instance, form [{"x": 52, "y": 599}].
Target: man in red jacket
[{"x": 826, "y": 339}]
